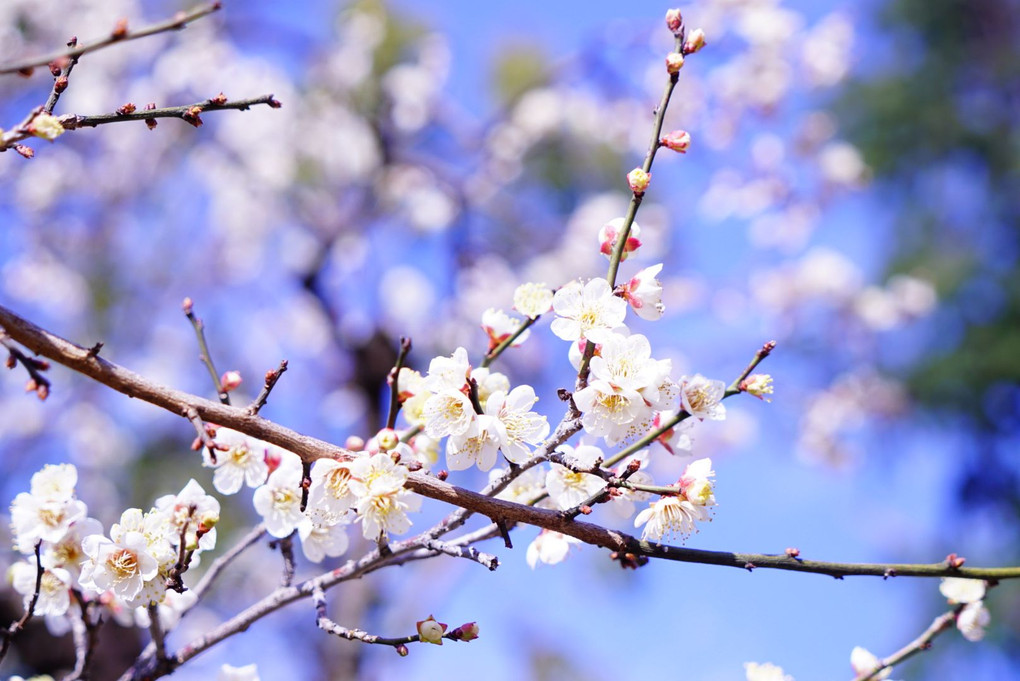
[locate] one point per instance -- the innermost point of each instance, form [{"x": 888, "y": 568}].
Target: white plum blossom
[
  {"x": 610, "y": 234},
  {"x": 526, "y": 488},
  {"x": 677, "y": 439},
  {"x": 194, "y": 510},
  {"x": 549, "y": 547},
  {"x": 279, "y": 500},
  {"x": 54, "y": 587},
  {"x": 765, "y": 672},
  {"x": 448, "y": 373},
  {"x": 331, "y": 486},
  {"x": 173, "y": 606},
  {"x": 568, "y": 488},
  {"x": 644, "y": 293},
  {"x": 478, "y": 445},
  {"x": 590, "y": 311},
  {"x": 863, "y": 661},
  {"x": 48, "y": 510},
  {"x": 123, "y": 567},
  {"x": 962, "y": 590},
  {"x": 248, "y": 672},
  {"x": 533, "y": 300},
  {"x": 383, "y": 502},
  {"x": 676, "y": 516},
  {"x": 323, "y": 534},
  {"x": 242, "y": 462},
  {"x": 702, "y": 397},
  {"x": 448, "y": 412},
  {"x": 499, "y": 326},
  {"x": 489, "y": 382},
  {"x": 67, "y": 552},
  {"x": 972, "y": 621},
  {"x": 413, "y": 395},
  {"x": 613, "y": 412},
  {"x": 518, "y": 425}
]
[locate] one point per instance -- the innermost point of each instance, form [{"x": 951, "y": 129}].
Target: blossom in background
[
  {"x": 702, "y": 397},
  {"x": 588, "y": 311},
  {"x": 173, "y": 606},
  {"x": 765, "y": 672},
  {"x": 499, "y": 326},
  {"x": 54, "y": 587},
  {"x": 47, "y": 511},
  {"x": 67, "y": 552},
  {"x": 609, "y": 235},
  {"x": 533, "y": 300},
  {"x": 568, "y": 488},
  {"x": 644, "y": 293},
  {"x": 448, "y": 373},
  {"x": 676, "y": 440},
  {"x": 962, "y": 590},
  {"x": 526, "y": 488},
  {"x": 383, "y": 502},
  {"x": 323, "y": 534},
  {"x": 247, "y": 673},
  {"x": 489, "y": 382},
  {"x": 549, "y": 547},
  {"x": 413, "y": 395},
  {"x": 243, "y": 462},
  {"x": 279, "y": 500},
  {"x": 518, "y": 425},
  {"x": 972, "y": 621},
  {"x": 863, "y": 661}
]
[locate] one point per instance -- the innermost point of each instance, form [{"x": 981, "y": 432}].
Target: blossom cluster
[{"x": 125, "y": 570}]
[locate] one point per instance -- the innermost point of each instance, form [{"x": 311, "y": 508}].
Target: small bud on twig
[
  {"x": 120, "y": 29},
  {"x": 674, "y": 20}
]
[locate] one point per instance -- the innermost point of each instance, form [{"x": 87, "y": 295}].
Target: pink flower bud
[
  {"x": 678, "y": 140},
  {"x": 230, "y": 380},
  {"x": 638, "y": 180},
  {"x": 695, "y": 41},
  {"x": 431, "y": 631},
  {"x": 466, "y": 632},
  {"x": 273, "y": 459},
  {"x": 610, "y": 234},
  {"x": 401, "y": 650},
  {"x": 674, "y": 20},
  {"x": 354, "y": 443},
  {"x": 674, "y": 62}
]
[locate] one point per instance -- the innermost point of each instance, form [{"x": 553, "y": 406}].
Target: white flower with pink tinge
[
  {"x": 588, "y": 311},
  {"x": 644, "y": 293},
  {"x": 549, "y": 547}
]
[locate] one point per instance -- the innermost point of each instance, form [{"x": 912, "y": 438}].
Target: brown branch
[
  {"x": 178, "y": 22},
  {"x": 10, "y": 632},
  {"x": 501, "y": 512},
  {"x": 920, "y": 644},
  {"x": 393, "y": 379},
  {"x": 188, "y": 307},
  {"x": 270, "y": 382},
  {"x": 188, "y": 113}
]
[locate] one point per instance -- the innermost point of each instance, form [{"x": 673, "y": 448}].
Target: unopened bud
[
  {"x": 219, "y": 99},
  {"x": 27, "y": 152},
  {"x": 354, "y": 443},
  {"x": 125, "y": 109},
  {"x": 401, "y": 650},
  {"x": 273, "y": 459},
  {"x": 431, "y": 631},
  {"x": 42, "y": 391},
  {"x": 466, "y": 632},
  {"x": 638, "y": 180},
  {"x": 387, "y": 439},
  {"x": 674, "y": 20},
  {"x": 678, "y": 140},
  {"x": 187, "y": 305},
  {"x": 695, "y": 41},
  {"x": 230, "y": 380},
  {"x": 120, "y": 29},
  {"x": 192, "y": 116},
  {"x": 674, "y": 62},
  {"x": 60, "y": 84}
]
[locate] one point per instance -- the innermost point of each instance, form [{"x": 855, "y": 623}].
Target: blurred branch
[
  {"x": 15, "y": 628},
  {"x": 119, "y": 34},
  {"x": 918, "y": 645}
]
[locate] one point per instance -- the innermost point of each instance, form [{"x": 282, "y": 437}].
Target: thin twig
[
  {"x": 16, "y": 627},
  {"x": 179, "y": 21},
  {"x": 157, "y": 633},
  {"x": 270, "y": 382},
  {"x": 188, "y": 113},
  {"x": 331, "y": 627},
  {"x": 393, "y": 380},
  {"x": 60, "y": 80},
  {"x": 920, "y": 644},
  {"x": 203, "y": 348},
  {"x": 495, "y": 352},
  {"x": 471, "y": 553},
  {"x": 37, "y": 382}
]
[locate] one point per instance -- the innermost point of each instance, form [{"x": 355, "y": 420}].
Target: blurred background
[{"x": 851, "y": 192}]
